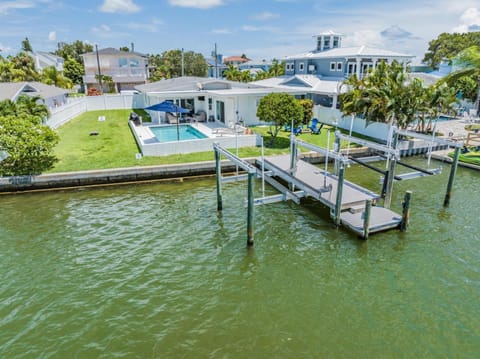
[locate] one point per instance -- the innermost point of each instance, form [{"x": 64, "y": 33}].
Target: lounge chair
[
  {"x": 171, "y": 118},
  {"x": 298, "y": 130},
  {"x": 316, "y": 131}
]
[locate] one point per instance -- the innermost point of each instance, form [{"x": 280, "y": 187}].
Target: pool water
[{"x": 169, "y": 133}]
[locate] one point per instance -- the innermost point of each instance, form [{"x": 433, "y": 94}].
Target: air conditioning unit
[{"x": 312, "y": 68}]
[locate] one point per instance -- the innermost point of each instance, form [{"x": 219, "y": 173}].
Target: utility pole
[
  {"x": 183, "y": 64},
  {"x": 99, "y": 72},
  {"x": 216, "y": 61}
]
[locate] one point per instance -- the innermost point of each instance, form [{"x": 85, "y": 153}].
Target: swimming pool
[{"x": 169, "y": 133}]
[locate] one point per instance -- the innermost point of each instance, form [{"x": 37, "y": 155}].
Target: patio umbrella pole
[{"x": 178, "y": 131}]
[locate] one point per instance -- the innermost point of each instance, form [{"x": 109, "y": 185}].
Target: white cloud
[
  {"x": 151, "y": 27},
  {"x": 102, "y": 29},
  {"x": 221, "y": 31},
  {"x": 5, "y": 49},
  {"x": 251, "y": 28},
  {"x": 469, "y": 21},
  {"x": 52, "y": 36},
  {"x": 199, "y": 4},
  {"x": 265, "y": 16},
  {"x": 119, "y": 6},
  {"x": 7, "y": 6}
]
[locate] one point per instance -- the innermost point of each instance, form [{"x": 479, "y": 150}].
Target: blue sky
[{"x": 260, "y": 29}]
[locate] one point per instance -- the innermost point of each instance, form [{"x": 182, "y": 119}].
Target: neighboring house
[
  {"x": 235, "y": 60},
  {"x": 216, "y": 69},
  {"x": 45, "y": 59},
  {"x": 126, "y": 69},
  {"x": 52, "y": 96},
  {"x": 321, "y": 72},
  {"x": 224, "y": 101}
]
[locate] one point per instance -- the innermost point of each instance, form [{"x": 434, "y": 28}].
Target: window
[
  {"x": 332, "y": 66},
  {"x": 301, "y": 66},
  {"x": 134, "y": 63},
  {"x": 335, "y": 41},
  {"x": 122, "y": 62},
  {"x": 339, "y": 66},
  {"x": 326, "y": 43}
]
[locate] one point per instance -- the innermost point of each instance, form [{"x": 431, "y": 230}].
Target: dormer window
[
  {"x": 335, "y": 41},
  {"x": 301, "y": 66},
  {"x": 332, "y": 66},
  {"x": 326, "y": 43}
]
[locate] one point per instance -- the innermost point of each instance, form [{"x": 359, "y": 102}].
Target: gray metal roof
[
  {"x": 113, "y": 51},
  {"x": 190, "y": 83},
  {"x": 341, "y": 52},
  {"x": 11, "y": 90}
]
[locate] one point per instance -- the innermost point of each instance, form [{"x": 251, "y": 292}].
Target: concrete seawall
[{"x": 109, "y": 176}]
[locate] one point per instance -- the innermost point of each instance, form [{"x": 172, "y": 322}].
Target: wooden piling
[
  {"x": 250, "y": 216},
  {"x": 405, "y": 211},
  {"x": 451, "y": 178},
  {"x": 366, "y": 218},
  {"x": 391, "y": 174},
  {"x": 338, "y": 202},
  {"x": 218, "y": 170}
]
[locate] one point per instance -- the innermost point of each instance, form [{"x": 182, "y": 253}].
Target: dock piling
[
  {"x": 405, "y": 211},
  {"x": 366, "y": 218},
  {"x": 218, "y": 169},
  {"x": 250, "y": 216},
  {"x": 338, "y": 202},
  {"x": 451, "y": 178}
]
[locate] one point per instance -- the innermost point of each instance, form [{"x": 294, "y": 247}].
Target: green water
[{"x": 152, "y": 271}]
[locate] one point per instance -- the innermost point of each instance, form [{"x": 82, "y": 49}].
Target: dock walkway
[{"x": 323, "y": 187}]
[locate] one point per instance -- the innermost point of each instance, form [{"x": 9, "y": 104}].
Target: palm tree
[
  {"x": 8, "y": 72},
  {"x": 469, "y": 62},
  {"x": 277, "y": 68},
  {"x": 31, "y": 106},
  {"x": 51, "y": 76},
  {"x": 232, "y": 73}
]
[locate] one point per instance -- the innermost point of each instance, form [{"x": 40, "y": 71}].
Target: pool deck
[{"x": 215, "y": 132}]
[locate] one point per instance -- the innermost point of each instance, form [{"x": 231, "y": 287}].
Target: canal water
[{"x": 153, "y": 271}]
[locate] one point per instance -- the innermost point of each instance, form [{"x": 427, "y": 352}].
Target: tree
[
  {"x": 73, "y": 50},
  {"x": 51, "y": 76},
  {"x": 469, "y": 63},
  {"x": 279, "y": 109},
  {"x": 277, "y": 68},
  {"x": 125, "y": 49},
  {"x": 307, "y": 108},
  {"x": 8, "y": 72},
  {"x": 26, "y": 66},
  {"x": 74, "y": 70},
  {"x": 232, "y": 73},
  {"x": 447, "y": 46},
  {"x": 30, "y": 106},
  {"x": 29, "y": 145},
  {"x": 385, "y": 95},
  {"x": 26, "y": 45},
  {"x": 169, "y": 65}
]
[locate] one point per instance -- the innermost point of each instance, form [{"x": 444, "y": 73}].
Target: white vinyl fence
[{"x": 77, "y": 106}]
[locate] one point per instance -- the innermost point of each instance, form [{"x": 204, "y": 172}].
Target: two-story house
[
  {"x": 320, "y": 72},
  {"x": 125, "y": 69}
]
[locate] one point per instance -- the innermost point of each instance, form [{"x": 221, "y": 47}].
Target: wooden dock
[{"x": 323, "y": 186}]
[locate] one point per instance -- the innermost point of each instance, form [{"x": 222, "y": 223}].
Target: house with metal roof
[
  {"x": 51, "y": 96},
  {"x": 223, "y": 101},
  {"x": 44, "y": 59},
  {"x": 321, "y": 72},
  {"x": 126, "y": 69}
]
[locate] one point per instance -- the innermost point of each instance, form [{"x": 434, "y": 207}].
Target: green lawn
[{"x": 115, "y": 146}]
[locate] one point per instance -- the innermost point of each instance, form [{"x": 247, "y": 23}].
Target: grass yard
[{"x": 115, "y": 146}]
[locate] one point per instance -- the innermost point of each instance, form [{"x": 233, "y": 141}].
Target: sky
[{"x": 261, "y": 30}]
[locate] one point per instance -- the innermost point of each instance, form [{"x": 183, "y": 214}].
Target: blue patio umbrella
[{"x": 169, "y": 106}]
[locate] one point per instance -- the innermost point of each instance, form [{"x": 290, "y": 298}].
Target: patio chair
[
  {"x": 313, "y": 125},
  {"x": 315, "y": 130},
  {"x": 200, "y": 116},
  {"x": 171, "y": 118},
  {"x": 298, "y": 130}
]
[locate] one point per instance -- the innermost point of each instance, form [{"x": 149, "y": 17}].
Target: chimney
[{"x": 133, "y": 47}]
